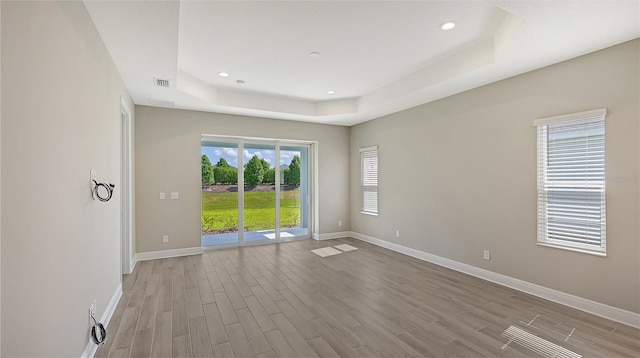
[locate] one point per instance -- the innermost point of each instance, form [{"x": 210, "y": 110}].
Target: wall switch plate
[
  {"x": 92, "y": 311},
  {"x": 397, "y": 233},
  {"x": 487, "y": 255},
  {"x": 174, "y": 196},
  {"x": 165, "y": 238},
  {"x": 92, "y": 177},
  {"x": 339, "y": 222},
  {"x": 162, "y": 197}
]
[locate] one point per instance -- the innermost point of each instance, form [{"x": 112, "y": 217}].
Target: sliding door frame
[{"x": 311, "y": 184}]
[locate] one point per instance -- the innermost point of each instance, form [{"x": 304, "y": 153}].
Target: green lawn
[{"x": 220, "y": 211}]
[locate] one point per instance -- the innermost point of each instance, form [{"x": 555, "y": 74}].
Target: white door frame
[{"x": 125, "y": 189}]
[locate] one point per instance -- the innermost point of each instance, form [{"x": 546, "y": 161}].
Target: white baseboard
[
  {"x": 91, "y": 347},
  {"x": 332, "y": 235},
  {"x": 152, "y": 255},
  {"x": 111, "y": 306},
  {"x": 133, "y": 264},
  {"x": 599, "y": 309}
]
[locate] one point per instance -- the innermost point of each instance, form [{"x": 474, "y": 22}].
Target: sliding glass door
[
  {"x": 259, "y": 192},
  {"x": 294, "y": 192},
  {"x": 220, "y": 211},
  {"x": 272, "y": 203}
]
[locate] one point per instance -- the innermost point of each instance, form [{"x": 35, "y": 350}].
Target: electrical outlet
[
  {"x": 487, "y": 255},
  {"x": 339, "y": 222},
  {"x": 397, "y": 233},
  {"x": 165, "y": 238},
  {"x": 174, "y": 196}
]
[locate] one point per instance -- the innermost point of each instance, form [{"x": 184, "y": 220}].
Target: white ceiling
[{"x": 378, "y": 56}]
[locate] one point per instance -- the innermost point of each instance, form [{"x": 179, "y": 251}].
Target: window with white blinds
[
  {"x": 369, "y": 180},
  {"x": 571, "y": 181}
]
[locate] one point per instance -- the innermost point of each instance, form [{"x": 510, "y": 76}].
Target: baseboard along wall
[
  {"x": 152, "y": 255},
  {"x": 332, "y": 235},
  {"x": 596, "y": 308}
]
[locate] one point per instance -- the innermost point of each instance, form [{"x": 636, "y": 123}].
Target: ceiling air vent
[{"x": 161, "y": 82}]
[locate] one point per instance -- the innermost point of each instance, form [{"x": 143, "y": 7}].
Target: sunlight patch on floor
[
  {"x": 345, "y": 247},
  {"x": 272, "y": 236},
  {"x": 326, "y": 251}
]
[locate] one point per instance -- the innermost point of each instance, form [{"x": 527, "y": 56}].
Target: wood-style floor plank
[
  {"x": 234, "y": 296},
  {"x": 262, "y": 317},
  {"x": 293, "y": 337},
  {"x": 322, "y": 348},
  {"x": 127, "y": 329},
  {"x": 269, "y": 354},
  {"x": 265, "y": 300},
  {"x": 206, "y": 293},
  {"x": 279, "y": 344},
  {"x": 225, "y": 308},
  {"x": 215, "y": 326},
  {"x": 200, "y": 342},
  {"x": 142, "y": 343},
  {"x": 182, "y": 347},
  {"x": 162, "y": 340},
  {"x": 239, "y": 342},
  {"x": 253, "y": 332},
  {"x": 223, "y": 350},
  {"x": 284, "y": 301}
]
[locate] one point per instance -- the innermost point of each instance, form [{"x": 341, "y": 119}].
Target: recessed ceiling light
[
  {"x": 314, "y": 54},
  {"x": 331, "y": 92},
  {"x": 223, "y": 74},
  {"x": 240, "y": 82},
  {"x": 448, "y": 25}
]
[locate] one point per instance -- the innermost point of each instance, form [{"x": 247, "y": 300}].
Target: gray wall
[
  {"x": 167, "y": 150},
  {"x": 459, "y": 175},
  {"x": 60, "y": 119}
]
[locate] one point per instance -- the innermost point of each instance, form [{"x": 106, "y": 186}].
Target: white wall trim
[
  {"x": 599, "y": 309},
  {"x": 133, "y": 263},
  {"x": 126, "y": 178},
  {"x": 152, "y": 255},
  {"x": 91, "y": 347},
  {"x": 332, "y": 235}
]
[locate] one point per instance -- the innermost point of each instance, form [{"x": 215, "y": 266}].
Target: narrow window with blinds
[
  {"x": 369, "y": 180},
  {"x": 571, "y": 181}
]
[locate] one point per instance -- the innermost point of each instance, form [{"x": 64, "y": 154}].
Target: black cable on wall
[{"x": 108, "y": 190}]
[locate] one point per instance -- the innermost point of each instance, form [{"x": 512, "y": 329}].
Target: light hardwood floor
[{"x": 284, "y": 301}]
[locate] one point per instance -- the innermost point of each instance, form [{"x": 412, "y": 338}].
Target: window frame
[
  {"x": 369, "y": 188},
  {"x": 546, "y": 186}
]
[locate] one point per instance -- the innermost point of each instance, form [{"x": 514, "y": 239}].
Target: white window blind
[
  {"x": 571, "y": 181},
  {"x": 369, "y": 180}
]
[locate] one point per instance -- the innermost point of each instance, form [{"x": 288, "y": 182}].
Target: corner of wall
[
  {"x": 134, "y": 251},
  {"x": 128, "y": 134}
]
